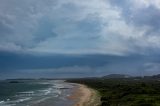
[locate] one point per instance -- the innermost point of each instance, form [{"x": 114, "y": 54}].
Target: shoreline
[{"x": 84, "y": 96}]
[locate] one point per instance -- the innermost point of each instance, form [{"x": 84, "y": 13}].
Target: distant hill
[
  {"x": 152, "y": 77},
  {"x": 156, "y": 76},
  {"x": 128, "y": 76},
  {"x": 116, "y": 76}
]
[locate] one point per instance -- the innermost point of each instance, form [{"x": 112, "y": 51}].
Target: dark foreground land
[{"x": 125, "y": 91}]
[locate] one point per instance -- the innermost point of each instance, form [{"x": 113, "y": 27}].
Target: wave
[
  {"x": 1, "y": 102},
  {"x": 23, "y": 99},
  {"x": 56, "y": 90}
]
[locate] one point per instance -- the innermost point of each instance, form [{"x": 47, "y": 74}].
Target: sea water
[{"x": 35, "y": 93}]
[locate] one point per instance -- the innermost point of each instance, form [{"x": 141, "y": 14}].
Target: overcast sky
[{"x": 80, "y": 27}]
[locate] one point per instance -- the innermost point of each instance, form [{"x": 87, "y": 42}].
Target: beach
[
  {"x": 85, "y": 96},
  {"x": 46, "y": 93}
]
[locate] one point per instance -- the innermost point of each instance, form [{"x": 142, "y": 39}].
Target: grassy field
[{"x": 125, "y": 92}]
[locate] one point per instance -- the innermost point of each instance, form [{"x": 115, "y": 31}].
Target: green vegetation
[{"x": 125, "y": 91}]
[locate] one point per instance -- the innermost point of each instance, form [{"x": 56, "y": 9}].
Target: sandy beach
[{"x": 85, "y": 96}]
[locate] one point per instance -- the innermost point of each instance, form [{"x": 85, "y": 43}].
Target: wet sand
[{"x": 84, "y": 96}]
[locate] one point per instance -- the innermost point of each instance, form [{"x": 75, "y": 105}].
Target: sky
[{"x": 79, "y": 38}]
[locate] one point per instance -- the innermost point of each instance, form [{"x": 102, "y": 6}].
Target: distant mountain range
[
  {"x": 110, "y": 76},
  {"x": 152, "y": 77},
  {"x": 128, "y": 76},
  {"x": 116, "y": 76}
]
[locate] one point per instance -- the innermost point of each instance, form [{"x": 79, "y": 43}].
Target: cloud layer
[
  {"x": 55, "y": 66},
  {"x": 80, "y": 27}
]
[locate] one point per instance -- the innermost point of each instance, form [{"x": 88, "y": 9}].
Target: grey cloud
[
  {"x": 108, "y": 27},
  {"x": 4, "y": 29},
  {"x": 149, "y": 18},
  {"x": 144, "y": 16},
  {"x": 44, "y": 31}
]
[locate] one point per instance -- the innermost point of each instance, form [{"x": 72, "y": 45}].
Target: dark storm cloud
[{"x": 76, "y": 65}]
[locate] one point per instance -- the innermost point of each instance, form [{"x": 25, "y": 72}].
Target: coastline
[{"x": 84, "y": 96}]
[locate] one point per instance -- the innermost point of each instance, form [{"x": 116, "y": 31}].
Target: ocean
[{"x": 35, "y": 93}]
